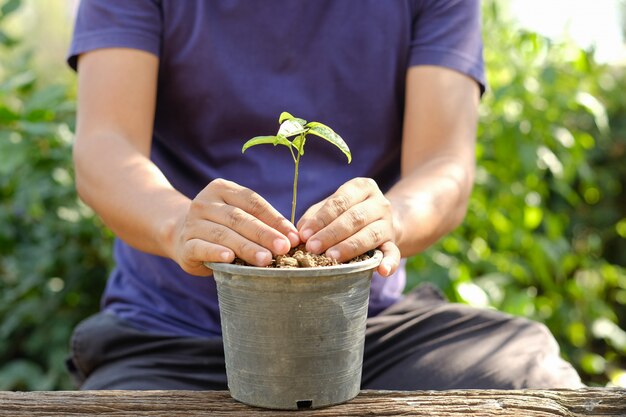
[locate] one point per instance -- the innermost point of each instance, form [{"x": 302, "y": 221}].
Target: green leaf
[
  {"x": 260, "y": 140},
  {"x": 287, "y": 116},
  {"x": 296, "y": 144},
  {"x": 282, "y": 140},
  {"x": 325, "y": 132},
  {"x": 284, "y": 116}
]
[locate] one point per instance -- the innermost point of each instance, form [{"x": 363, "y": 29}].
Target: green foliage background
[
  {"x": 545, "y": 235},
  {"x": 54, "y": 254}
]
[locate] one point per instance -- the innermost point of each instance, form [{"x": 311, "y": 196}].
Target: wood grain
[{"x": 527, "y": 403}]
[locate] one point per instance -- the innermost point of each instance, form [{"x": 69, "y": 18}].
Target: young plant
[{"x": 298, "y": 129}]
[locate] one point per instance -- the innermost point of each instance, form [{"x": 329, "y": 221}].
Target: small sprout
[{"x": 299, "y": 129}]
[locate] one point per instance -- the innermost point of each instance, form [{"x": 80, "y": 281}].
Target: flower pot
[{"x": 293, "y": 338}]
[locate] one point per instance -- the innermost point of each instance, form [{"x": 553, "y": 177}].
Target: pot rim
[{"x": 233, "y": 269}]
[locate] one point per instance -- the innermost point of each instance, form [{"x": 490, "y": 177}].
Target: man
[{"x": 168, "y": 93}]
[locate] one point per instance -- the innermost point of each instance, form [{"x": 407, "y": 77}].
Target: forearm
[
  {"x": 128, "y": 192},
  {"x": 114, "y": 176},
  {"x": 430, "y": 202}
]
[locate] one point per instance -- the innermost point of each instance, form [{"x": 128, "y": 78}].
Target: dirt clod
[{"x": 283, "y": 261}]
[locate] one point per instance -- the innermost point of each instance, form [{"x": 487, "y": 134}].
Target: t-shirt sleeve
[
  {"x": 448, "y": 33},
  {"x": 132, "y": 24}
]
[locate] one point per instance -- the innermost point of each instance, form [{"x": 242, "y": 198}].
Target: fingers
[
  {"x": 391, "y": 259},
  {"x": 247, "y": 226},
  {"x": 346, "y": 196},
  {"x": 244, "y": 248},
  {"x": 249, "y": 214},
  {"x": 355, "y": 219},
  {"x": 197, "y": 251},
  {"x": 307, "y": 216},
  {"x": 227, "y": 220},
  {"x": 356, "y": 228},
  {"x": 252, "y": 203},
  {"x": 360, "y": 242}
]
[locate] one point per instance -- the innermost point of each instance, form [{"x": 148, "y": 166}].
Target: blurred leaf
[
  {"x": 596, "y": 108},
  {"x": 37, "y": 128},
  {"x": 472, "y": 294},
  {"x": 532, "y": 217},
  {"x": 606, "y": 329},
  {"x": 46, "y": 99},
  {"x": 5, "y": 39},
  {"x": 17, "y": 81},
  {"x": 20, "y": 374},
  {"x": 8, "y": 7},
  {"x": 7, "y": 116},
  {"x": 593, "y": 364},
  {"x": 618, "y": 378}
]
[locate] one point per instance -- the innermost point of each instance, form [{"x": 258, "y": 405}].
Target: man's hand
[
  {"x": 353, "y": 220},
  {"x": 227, "y": 220}
]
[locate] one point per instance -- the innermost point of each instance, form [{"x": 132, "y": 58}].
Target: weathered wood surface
[{"x": 526, "y": 403}]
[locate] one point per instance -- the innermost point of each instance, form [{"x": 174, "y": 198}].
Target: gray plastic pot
[{"x": 293, "y": 338}]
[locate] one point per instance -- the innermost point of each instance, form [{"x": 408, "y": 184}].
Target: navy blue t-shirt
[{"x": 227, "y": 69}]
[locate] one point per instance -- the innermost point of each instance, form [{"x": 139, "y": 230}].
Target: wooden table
[{"x": 526, "y": 403}]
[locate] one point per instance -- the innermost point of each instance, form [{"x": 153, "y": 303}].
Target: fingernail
[
  {"x": 262, "y": 257},
  {"x": 280, "y": 246},
  {"x": 306, "y": 234},
  {"x": 225, "y": 256},
  {"x": 333, "y": 253},
  {"x": 386, "y": 266},
  {"x": 293, "y": 238},
  {"x": 314, "y": 245}
]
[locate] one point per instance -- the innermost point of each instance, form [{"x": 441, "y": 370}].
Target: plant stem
[
  {"x": 292, "y": 154},
  {"x": 295, "y": 180}
]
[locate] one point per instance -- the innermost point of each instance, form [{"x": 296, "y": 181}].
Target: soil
[{"x": 298, "y": 257}]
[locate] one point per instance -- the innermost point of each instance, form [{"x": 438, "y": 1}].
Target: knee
[
  {"x": 541, "y": 365},
  {"x": 508, "y": 352}
]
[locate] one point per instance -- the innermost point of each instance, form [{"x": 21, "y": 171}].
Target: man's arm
[
  {"x": 116, "y": 97},
  {"x": 431, "y": 197},
  {"x": 114, "y": 175},
  {"x": 438, "y": 156}
]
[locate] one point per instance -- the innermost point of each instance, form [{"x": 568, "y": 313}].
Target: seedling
[{"x": 298, "y": 129}]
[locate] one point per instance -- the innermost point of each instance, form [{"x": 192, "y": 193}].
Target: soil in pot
[{"x": 299, "y": 257}]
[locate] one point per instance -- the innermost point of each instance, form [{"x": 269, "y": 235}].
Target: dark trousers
[{"x": 420, "y": 343}]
